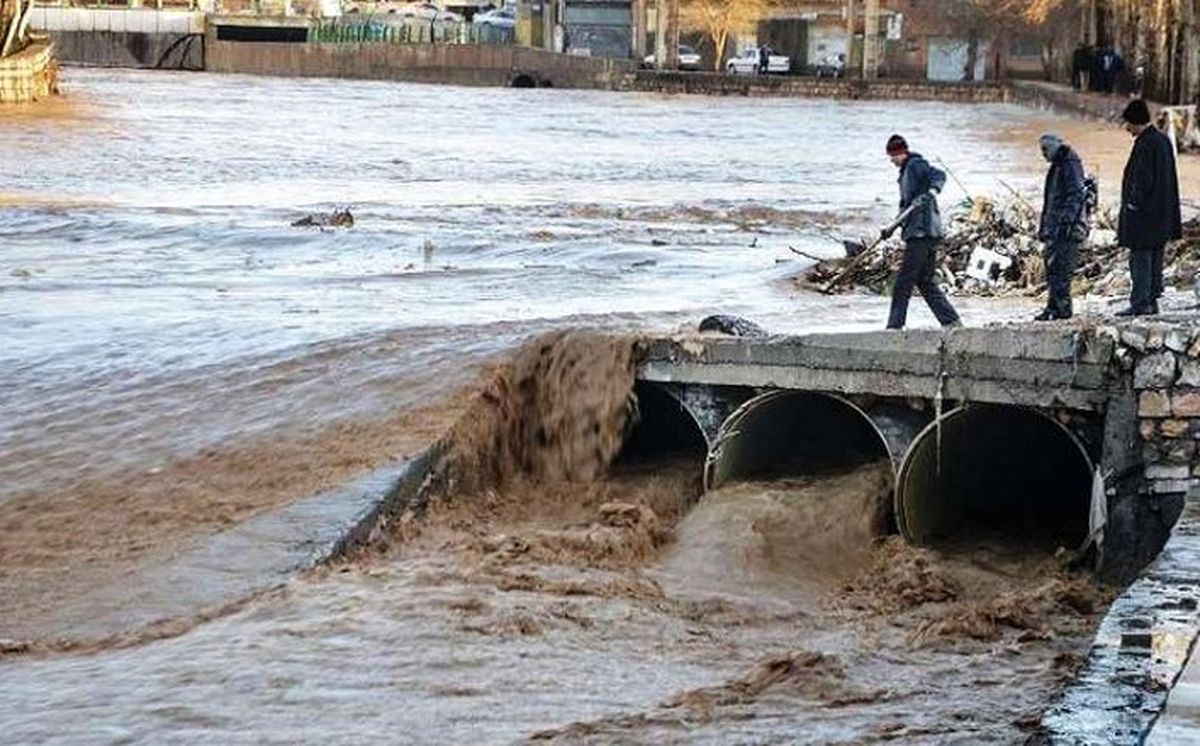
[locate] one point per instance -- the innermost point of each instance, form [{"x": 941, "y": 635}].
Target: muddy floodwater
[
  {"x": 613, "y": 613},
  {"x": 178, "y": 358}
]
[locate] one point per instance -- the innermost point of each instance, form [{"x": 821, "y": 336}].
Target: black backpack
[{"x": 1091, "y": 195}]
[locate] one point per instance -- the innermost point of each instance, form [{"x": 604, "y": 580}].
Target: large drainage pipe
[
  {"x": 787, "y": 433},
  {"x": 990, "y": 471},
  {"x": 664, "y": 428}
]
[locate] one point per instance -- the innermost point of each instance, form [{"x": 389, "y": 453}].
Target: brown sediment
[
  {"x": 1036, "y": 612},
  {"x": 806, "y": 674},
  {"x": 557, "y": 411},
  {"x": 53, "y": 548},
  {"x": 60, "y": 110},
  {"x": 900, "y": 577},
  {"x": 746, "y": 217},
  {"x": 798, "y": 535},
  {"x": 163, "y": 629},
  {"x": 10, "y": 199}
]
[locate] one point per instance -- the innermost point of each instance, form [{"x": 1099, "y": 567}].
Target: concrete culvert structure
[
  {"x": 792, "y": 433},
  {"x": 1002, "y": 472},
  {"x": 664, "y": 429}
]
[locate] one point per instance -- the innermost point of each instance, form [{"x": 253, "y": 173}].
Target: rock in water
[
  {"x": 335, "y": 219},
  {"x": 734, "y": 326}
]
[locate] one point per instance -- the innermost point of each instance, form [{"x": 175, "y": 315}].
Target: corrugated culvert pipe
[
  {"x": 1001, "y": 472},
  {"x": 791, "y": 433}
]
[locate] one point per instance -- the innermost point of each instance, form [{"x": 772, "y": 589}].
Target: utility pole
[
  {"x": 547, "y": 24},
  {"x": 660, "y": 34},
  {"x": 673, "y": 35},
  {"x": 871, "y": 40},
  {"x": 639, "y": 30},
  {"x": 851, "y": 28}
]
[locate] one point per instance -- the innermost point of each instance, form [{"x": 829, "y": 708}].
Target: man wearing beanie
[
  {"x": 1150, "y": 213},
  {"x": 922, "y": 232},
  {"x": 1064, "y": 224}
]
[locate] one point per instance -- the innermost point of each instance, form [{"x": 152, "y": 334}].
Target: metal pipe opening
[
  {"x": 792, "y": 433},
  {"x": 664, "y": 429},
  {"x": 1006, "y": 472}
]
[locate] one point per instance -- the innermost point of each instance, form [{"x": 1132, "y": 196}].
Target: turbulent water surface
[{"x": 177, "y": 357}]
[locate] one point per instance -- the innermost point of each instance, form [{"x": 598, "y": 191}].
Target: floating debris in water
[
  {"x": 336, "y": 219},
  {"x": 735, "y": 326}
]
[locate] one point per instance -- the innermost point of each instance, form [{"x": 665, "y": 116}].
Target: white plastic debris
[{"x": 986, "y": 265}]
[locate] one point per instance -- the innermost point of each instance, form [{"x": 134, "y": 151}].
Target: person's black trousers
[
  {"x": 1061, "y": 258},
  {"x": 916, "y": 271},
  {"x": 1146, "y": 272}
]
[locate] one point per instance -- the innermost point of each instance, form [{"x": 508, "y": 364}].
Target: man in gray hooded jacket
[
  {"x": 922, "y": 232},
  {"x": 1064, "y": 224}
]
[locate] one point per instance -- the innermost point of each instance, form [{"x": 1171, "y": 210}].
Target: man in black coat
[
  {"x": 1064, "y": 224},
  {"x": 1079, "y": 66},
  {"x": 1150, "y": 213},
  {"x": 922, "y": 232}
]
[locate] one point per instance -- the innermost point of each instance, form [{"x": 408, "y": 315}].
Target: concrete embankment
[
  {"x": 480, "y": 65},
  {"x": 807, "y": 87},
  {"x": 129, "y": 38}
]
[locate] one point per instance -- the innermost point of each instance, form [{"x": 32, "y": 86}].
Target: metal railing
[{"x": 375, "y": 29}]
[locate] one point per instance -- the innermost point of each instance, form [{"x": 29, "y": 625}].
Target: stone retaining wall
[
  {"x": 809, "y": 87},
  {"x": 29, "y": 75},
  {"x": 1165, "y": 361},
  {"x": 1064, "y": 100},
  {"x": 130, "y": 49},
  {"x": 481, "y": 65}
]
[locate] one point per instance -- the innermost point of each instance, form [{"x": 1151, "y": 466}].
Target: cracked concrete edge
[{"x": 390, "y": 497}]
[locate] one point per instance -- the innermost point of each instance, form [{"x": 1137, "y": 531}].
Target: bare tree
[
  {"x": 720, "y": 19},
  {"x": 14, "y": 25}
]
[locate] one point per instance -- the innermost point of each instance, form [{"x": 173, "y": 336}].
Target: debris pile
[{"x": 992, "y": 249}]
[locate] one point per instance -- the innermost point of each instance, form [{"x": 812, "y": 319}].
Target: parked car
[
  {"x": 831, "y": 66},
  {"x": 749, "y": 62},
  {"x": 689, "y": 58},
  {"x": 498, "y": 18},
  {"x": 426, "y": 12}
]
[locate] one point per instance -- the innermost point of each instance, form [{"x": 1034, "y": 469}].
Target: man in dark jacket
[
  {"x": 922, "y": 232},
  {"x": 1064, "y": 224},
  {"x": 1150, "y": 213},
  {"x": 1079, "y": 66}
]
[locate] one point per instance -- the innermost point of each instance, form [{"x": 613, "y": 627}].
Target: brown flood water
[
  {"x": 606, "y": 613},
  {"x": 619, "y": 606}
]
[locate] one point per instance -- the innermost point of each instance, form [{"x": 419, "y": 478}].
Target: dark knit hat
[
  {"x": 1137, "y": 113},
  {"x": 896, "y": 145}
]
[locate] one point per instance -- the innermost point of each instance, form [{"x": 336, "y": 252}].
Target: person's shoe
[
  {"x": 956, "y": 324},
  {"x": 1153, "y": 308},
  {"x": 1131, "y": 311},
  {"x": 1046, "y": 315}
]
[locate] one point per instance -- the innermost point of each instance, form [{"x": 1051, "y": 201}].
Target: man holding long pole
[{"x": 922, "y": 233}]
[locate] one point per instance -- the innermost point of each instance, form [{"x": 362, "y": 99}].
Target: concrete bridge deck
[{"x": 1060, "y": 367}]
